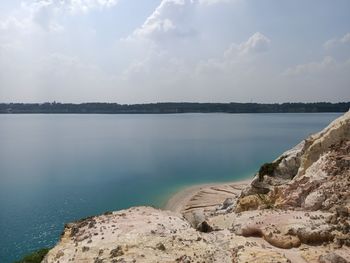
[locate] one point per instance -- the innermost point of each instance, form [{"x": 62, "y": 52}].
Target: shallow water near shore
[{"x": 59, "y": 168}]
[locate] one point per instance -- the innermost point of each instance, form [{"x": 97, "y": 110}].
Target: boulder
[
  {"x": 227, "y": 203},
  {"x": 314, "y": 201},
  {"x": 332, "y": 258},
  {"x": 282, "y": 241},
  {"x": 314, "y": 237}
]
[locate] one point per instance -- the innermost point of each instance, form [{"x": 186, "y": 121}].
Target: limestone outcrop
[{"x": 313, "y": 175}]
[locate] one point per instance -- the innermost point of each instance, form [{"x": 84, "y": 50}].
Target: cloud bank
[{"x": 181, "y": 50}]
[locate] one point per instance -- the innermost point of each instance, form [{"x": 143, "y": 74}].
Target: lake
[{"x": 58, "y": 168}]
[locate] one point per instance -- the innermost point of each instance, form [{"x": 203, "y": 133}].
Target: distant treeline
[{"x": 172, "y": 107}]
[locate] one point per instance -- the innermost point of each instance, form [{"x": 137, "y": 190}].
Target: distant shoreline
[
  {"x": 171, "y": 108},
  {"x": 150, "y": 113}
]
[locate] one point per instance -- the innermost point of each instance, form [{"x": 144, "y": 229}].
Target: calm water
[{"x": 58, "y": 168}]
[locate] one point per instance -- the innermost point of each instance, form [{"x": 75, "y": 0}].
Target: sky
[{"x": 141, "y": 51}]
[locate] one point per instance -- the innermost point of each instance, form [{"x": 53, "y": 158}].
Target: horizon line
[{"x": 175, "y": 102}]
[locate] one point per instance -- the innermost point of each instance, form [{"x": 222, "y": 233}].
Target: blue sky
[{"x": 132, "y": 51}]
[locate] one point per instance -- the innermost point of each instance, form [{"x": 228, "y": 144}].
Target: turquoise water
[{"x": 58, "y": 168}]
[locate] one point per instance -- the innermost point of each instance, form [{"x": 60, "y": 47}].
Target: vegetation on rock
[
  {"x": 34, "y": 257},
  {"x": 269, "y": 168}
]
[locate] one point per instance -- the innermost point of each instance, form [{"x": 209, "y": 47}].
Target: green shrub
[
  {"x": 269, "y": 168},
  {"x": 34, "y": 257}
]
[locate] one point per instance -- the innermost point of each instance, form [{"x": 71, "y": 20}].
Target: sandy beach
[{"x": 206, "y": 196}]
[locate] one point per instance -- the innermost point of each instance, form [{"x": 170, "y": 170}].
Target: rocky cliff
[
  {"x": 296, "y": 209},
  {"x": 313, "y": 175}
]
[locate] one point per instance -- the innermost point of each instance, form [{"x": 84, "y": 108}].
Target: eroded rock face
[
  {"x": 320, "y": 143},
  {"x": 290, "y": 163},
  {"x": 313, "y": 175},
  {"x": 324, "y": 185}
]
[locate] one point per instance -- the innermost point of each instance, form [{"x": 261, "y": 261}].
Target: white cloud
[
  {"x": 173, "y": 19},
  {"x": 238, "y": 53},
  {"x": 257, "y": 43},
  {"x": 170, "y": 19},
  {"x": 30, "y": 47},
  {"x": 237, "y": 56},
  {"x": 84, "y": 6},
  {"x": 31, "y": 21},
  {"x": 327, "y": 63},
  {"x": 213, "y": 2},
  {"x": 336, "y": 42},
  {"x": 11, "y": 23},
  {"x": 48, "y": 77},
  {"x": 237, "y": 65},
  {"x": 321, "y": 80},
  {"x": 165, "y": 74},
  {"x": 75, "y": 6},
  {"x": 182, "y": 51},
  {"x": 48, "y": 13},
  {"x": 157, "y": 63},
  {"x": 14, "y": 32}
]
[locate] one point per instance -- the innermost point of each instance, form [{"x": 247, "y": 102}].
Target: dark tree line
[{"x": 172, "y": 107}]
